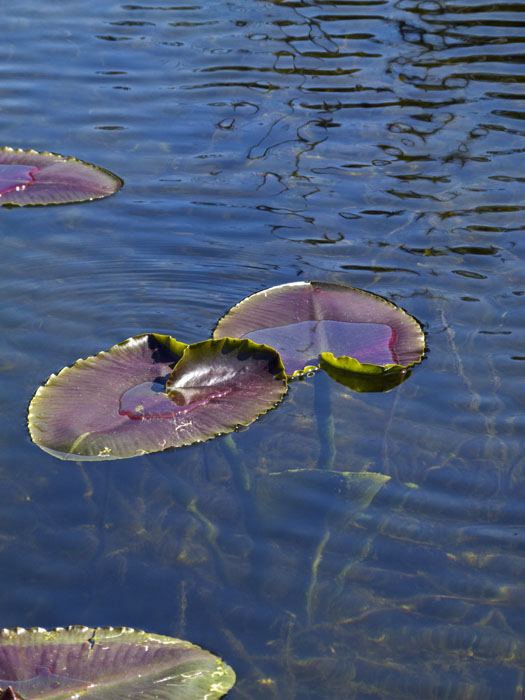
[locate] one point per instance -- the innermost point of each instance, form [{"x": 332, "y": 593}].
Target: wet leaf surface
[
  {"x": 107, "y": 663},
  {"x": 150, "y": 393},
  {"x": 306, "y": 320},
  {"x": 32, "y": 177}
]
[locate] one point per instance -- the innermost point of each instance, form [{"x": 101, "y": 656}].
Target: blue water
[{"x": 377, "y": 144}]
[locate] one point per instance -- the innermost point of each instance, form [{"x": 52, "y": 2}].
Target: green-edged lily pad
[
  {"x": 107, "y": 664},
  {"x": 32, "y": 177},
  {"x": 150, "y": 393},
  {"x": 314, "y": 324}
]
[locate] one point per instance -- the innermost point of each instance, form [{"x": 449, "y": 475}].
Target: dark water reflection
[{"x": 377, "y": 144}]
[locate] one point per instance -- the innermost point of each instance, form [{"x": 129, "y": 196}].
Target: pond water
[{"x": 345, "y": 545}]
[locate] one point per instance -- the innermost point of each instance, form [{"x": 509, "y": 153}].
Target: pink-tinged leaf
[
  {"x": 370, "y": 342},
  {"x": 222, "y": 384},
  {"x": 151, "y": 393},
  {"x": 30, "y": 178},
  {"x": 15, "y": 177},
  {"x": 78, "y": 413},
  {"x": 107, "y": 664},
  {"x": 304, "y": 320}
]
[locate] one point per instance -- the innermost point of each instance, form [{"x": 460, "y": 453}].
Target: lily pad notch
[
  {"x": 107, "y": 664},
  {"x": 29, "y": 177}
]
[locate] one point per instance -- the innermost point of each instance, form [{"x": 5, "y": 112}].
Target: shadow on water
[{"x": 373, "y": 143}]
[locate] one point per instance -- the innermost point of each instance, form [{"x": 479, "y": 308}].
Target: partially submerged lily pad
[
  {"x": 298, "y": 500},
  {"x": 312, "y": 322},
  {"x": 32, "y": 177},
  {"x": 150, "y": 393},
  {"x": 107, "y": 664}
]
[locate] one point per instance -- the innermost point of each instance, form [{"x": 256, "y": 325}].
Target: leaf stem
[{"x": 325, "y": 421}]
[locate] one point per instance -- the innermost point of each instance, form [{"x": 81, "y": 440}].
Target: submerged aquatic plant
[
  {"x": 150, "y": 393},
  {"x": 33, "y": 177},
  {"x": 107, "y": 664},
  {"x": 359, "y": 338}
]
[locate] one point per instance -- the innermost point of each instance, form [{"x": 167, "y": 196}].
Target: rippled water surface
[{"x": 377, "y": 144}]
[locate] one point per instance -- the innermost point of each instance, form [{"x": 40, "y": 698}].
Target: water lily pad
[
  {"x": 150, "y": 393},
  {"x": 309, "y": 321},
  {"x": 107, "y": 664},
  {"x": 31, "y": 177}
]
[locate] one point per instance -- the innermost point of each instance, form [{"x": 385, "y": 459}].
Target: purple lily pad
[
  {"x": 107, "y": 664},
  {"x": 15, "y": 177},
  {"x": 151, "y": 393},
  {"x": 311, "y": 321},
  {"x": 30, "y": 177}
]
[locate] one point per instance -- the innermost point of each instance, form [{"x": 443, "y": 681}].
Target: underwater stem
[{"x": 325, "y": 421}]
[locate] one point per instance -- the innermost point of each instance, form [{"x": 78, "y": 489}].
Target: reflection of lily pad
[
  {"x": 30, "y": 177},
  {"x": 306, "y": 320},
  {"x": 108, "y": 664},
  {"x": 150, "y": 393}
]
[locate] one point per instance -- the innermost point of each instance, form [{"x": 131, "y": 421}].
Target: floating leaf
[
  {"x": 30, "y": 177},
  {"x": 305, "y": 321},
  {"x": 82, "y": 413},
  {"x": 107, "y": 664},
  {"x": 150, "y": 393}
]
